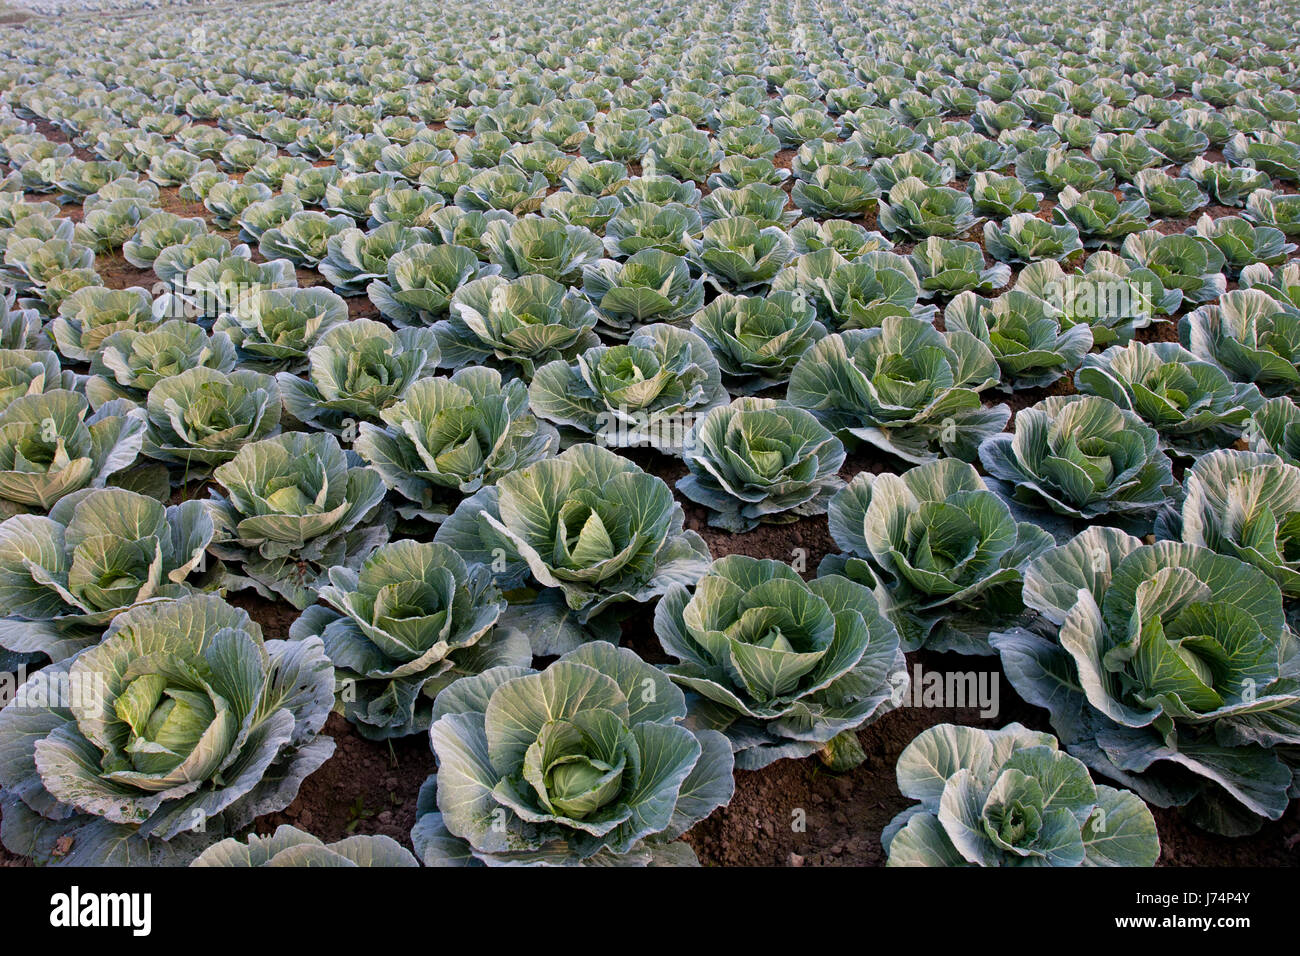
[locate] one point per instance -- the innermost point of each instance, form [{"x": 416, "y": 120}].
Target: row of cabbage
[
  {"x": 80, "y": 8},
  {"x": 536, "y": 225}
]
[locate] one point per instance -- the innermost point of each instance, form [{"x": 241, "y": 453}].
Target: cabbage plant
[
  {"x": 1252, "y": 336},
  {"x": 293, "y": 506},
  {"x": 303, "y": 238},
  {"x": 757, "y": 339},
  {"x": 917, "y": 210},
  {"x": 1226, "y": 185},
  {"x": 1281, "y": 211},
  {"x": 1166, "y": 667},
  {"x": 21, "y": 326},
  {"x": 995, "y": 195},
  {"x": 160, "y": 230},
  {"x": 129, "y": 363},
  {"x": 104, "y": 228},
  {"x": 587, "y": 762},
  {"x": 411, "y": 620},
  {"x": 356, "y": 370},
  {"x": 354, "y": 258},
  {"x": 942, "y": 553},
  {"x": 587, "y": 523},
  {"x": 1024, "y": 334},
  {"x": 646, "y": 391},
  {"x": 1054, "y": 170},
  {"x": 1110, "y": 295},
  {"x": 760, "y": 461},
  {"x": 1099, "y": 217},
  {"x": 1026, "y": 238},
  {"x": 419, "y": 281},
  {"x": 352, "y": 193},
  {"x": 52, "y": 445},
  {"x": 260, "y": 216},
  {"x": 226, "y": 199},
  {"x": 857, "y": 294},
  {"x": 64, "y": 576},
  {"x": 182, "y": 724},
  {"x": 1267, "y": 151},
  {"x": 31, "y": 372},
  {"x": 289, "y": 846},
  {"x": 1010, "y": 797},
  {"x": 215, "y": 286},
  {"x": 737, "y": 171},
  {"x": 849, "y": 239},
  {"x": 1282, "y": 283},
  {"x": 174, "y": 263},
  {"x": 1275, "y": 429},
  {"x": 32, "y": 264},
  {"x": 598, "y": 179},
  {"x": 1081, "y": 456},
  {"x": 575, "y": 209},
  {"x": 737, "y": 255},
  {"x": 651, "y": 286},
  {"x": 515, "y": 324},
  {"x": 449, "y": 437},
  {"x": 834, "y": 190},
  {"x": 905, "y": 387},
  {"x": 786, "y": 668},
  {"x": 201, "y": 417},
  {"x": 1183, "y": 264},
  {"x": 1165, "y": 194},
  {"x": 544, "y": 247},
  {"x": 410, "y": 207},
  {"x": 1192, "y": 404},
  {"x": 668, "y": 227},
  {"x": 946, "y": 267},
  {"x": 1246, "y": 505},
  {"x": 761, "y": 203},
  {"x": 276, "y": 329},
  {"x": 1242, "y": 244},
  {"x": 90, "y": 315},
  {"x": 690, "y": 155}
]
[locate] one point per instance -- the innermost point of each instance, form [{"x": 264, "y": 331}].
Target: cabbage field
[{"x": 649, "y": 432}]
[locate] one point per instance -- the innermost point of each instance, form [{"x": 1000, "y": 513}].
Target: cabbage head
[
  {"x": 410, "y": 621},
  {"x": 587, "y": 762},
  {"x": 1166, "y": 667},
  {"x": 785, "y": 668},
  {"x": 181, "y": 725},
  {"x": 941, "y": 551},
  {"x": 1011, "y": 797}
]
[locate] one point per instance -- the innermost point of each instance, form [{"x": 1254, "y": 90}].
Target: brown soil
[
  {"x": 1027, "y": 397},
  {"x": 366, "y": 787},
  {"x": 170, "y": 200},
  {"x": 1166, "y": 331},
  {"x": 275, "y": 617},
  {"x": 360, "y": 307},
  {"x": 1171, "y": 227},
  {"x": 117, "y": 273}
]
